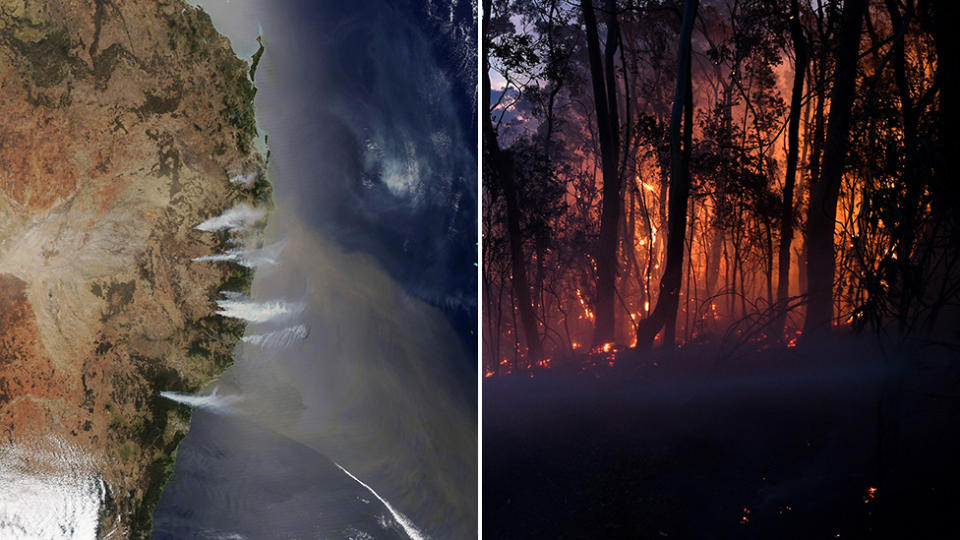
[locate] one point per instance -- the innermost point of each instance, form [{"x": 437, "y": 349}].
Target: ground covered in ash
[{"x": 851, "y": 439}]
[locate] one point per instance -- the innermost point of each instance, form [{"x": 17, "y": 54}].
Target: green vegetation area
[{"x": 256, "y": 59}]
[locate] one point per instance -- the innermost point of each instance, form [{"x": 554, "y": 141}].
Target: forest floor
[{"x": 783, "y": 443}]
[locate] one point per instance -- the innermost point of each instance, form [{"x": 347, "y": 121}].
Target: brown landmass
[{"x": 120, "y": 124}]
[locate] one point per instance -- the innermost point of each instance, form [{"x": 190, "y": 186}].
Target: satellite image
[{"x": 238, "y": 269}]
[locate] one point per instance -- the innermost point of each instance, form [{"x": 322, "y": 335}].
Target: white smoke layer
[
  {"x": 47, "y": 495},
  {"x": 211, "y": 402},
  {"x": 234, "y": 255},
  {"x": 237, "y": 307},
  {"x": 251, "y": 258},
  {"x": 278, "y": 339},
  {"x": 245, "y": 180},
  {"x": 408, "y": 527},
  {"x": 240, "y": 217}
]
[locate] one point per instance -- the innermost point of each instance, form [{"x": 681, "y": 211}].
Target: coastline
[{"x": 112, "y": 156}]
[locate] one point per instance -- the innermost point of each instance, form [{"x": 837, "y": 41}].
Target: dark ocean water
[
  {"x": 262, "y": 488},
  {"x": 369, "y": 111},
  {"x": 380, "y": 98}
]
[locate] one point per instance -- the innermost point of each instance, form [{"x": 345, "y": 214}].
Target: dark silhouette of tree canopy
[
  {"x": 501, "y": 173},
  {"x": 758, "y": 199},
  {"x": 608, "y": 127},
  {"x": 735, "y": 172},
  {"x": 801, "y": 59},
  {"x": 823, "y": 200},
  {"x": 665, "y": 314}
]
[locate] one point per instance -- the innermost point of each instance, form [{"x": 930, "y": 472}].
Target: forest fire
[
  {"x": 742, "y": 243},
  {"x": 732, "y": 228}
]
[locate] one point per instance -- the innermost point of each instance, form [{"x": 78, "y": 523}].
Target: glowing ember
[
  {"x": 583, "y": 304},
  {"x": 729, "y": 245}
]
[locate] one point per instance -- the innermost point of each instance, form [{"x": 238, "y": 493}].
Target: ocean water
[
  {"x": 237, "y": 479},
  {"x": 354, "y": 414}
]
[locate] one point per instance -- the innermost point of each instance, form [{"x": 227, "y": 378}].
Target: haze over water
[{"x": 372, "y": 184}]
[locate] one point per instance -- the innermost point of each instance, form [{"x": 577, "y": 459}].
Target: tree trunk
[
  {"x": 713, "y": 261},
  {"x": 947, "y": 196},
  {"x": 608, "y": 130},
  {"x": 904, "y": 232},
  {"x": 823, "y": 203},
  {"x": 666, "y": 311},
  {"x": 819, "y": 69},
  {"x": 501, "y": 167},
  {"x": 793, "y": 153}
]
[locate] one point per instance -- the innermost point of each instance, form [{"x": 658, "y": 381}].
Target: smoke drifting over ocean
[
  {"x": 374, "y": 389},
  {"x": 385, "y": 161},
  {"x": 212, "y": 402},
  {"x": 368, "y": 391},
  {"x": 374, "y": 171},
  {"x": 278, "y": 338}
]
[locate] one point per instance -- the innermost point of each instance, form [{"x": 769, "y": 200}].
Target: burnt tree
[
  {"x": 501, "y": 169},
  {"x": 801, "y": 59},
  {"x": 665, "y": 313},
  {"x": 822, "y": 213},
  {"x": 603, "y": 77}
]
